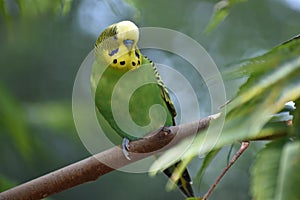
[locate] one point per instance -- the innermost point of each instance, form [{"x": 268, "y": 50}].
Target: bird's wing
[{"x": 164, "y": 91}]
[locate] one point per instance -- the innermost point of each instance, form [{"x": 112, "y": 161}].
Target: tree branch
[
  {"x": 242, "y": 149},
  {"x": 102, "y": 163}
]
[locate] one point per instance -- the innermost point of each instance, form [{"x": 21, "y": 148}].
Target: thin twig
[{"x": 243, "y": 147}]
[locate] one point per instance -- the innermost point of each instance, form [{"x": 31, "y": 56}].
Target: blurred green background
[{"x": 43, "y": 43}]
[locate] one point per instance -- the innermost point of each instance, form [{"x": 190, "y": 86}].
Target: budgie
[{"x": 117, "y": 55}]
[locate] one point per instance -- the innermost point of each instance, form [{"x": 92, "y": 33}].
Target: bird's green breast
[{"x": 131, "y": 101}]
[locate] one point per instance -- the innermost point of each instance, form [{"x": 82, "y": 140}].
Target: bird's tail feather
[{"x": 184, "y": 183}]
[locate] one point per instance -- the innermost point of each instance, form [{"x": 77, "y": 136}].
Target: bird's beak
[{"x": 129, "y": 44}]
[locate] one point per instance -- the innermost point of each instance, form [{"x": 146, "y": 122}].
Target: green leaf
[
  {"x": 194, "y": 198},
  {"x": 296, "y": 119},
  {"x": 66, "y": 6},
  {"x": 289, "y": 176},
  {"x": 56, "y": 115},
  {"x": 6, "y": 183},
  {"x": 165, "y": 161},
  {"x": 30, "y": 8},
  {"x": 3, "y": 7},
  {"x": 266, "y": 62},
  {"x": 274, "y": 80},
  {"x": 264, "y": 172},
  {"x": 207, "y": 160},
  {"x": 177, "y": 174},
  {"x": 275, "y": 172},
  {"x": 221, "y": 11},
  {"x": 13, "y": 119}
]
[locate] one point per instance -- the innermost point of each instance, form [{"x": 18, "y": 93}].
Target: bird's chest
[{"x": 131, "y": 100}]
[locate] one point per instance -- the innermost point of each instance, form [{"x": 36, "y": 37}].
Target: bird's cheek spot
[{"x": 113, "y": 52}]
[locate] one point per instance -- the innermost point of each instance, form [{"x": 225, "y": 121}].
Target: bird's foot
[
  {"x": 125, "y": 147},
  {"x": 166, "y": 129}
]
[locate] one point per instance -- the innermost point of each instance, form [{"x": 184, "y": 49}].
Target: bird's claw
[
  {"x": 166, "y": 130},
  {"x": 125, "y": 147}
]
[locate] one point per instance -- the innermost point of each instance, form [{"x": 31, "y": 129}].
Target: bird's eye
[
  {"x": 115, "y": 37},
  {"x": 113, "y": 52}
]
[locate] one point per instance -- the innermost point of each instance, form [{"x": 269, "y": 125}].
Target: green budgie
[{"x": 126, "y": 85}]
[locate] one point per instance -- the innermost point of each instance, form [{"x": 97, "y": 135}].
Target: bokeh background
[{"x": 43, "y": 43}]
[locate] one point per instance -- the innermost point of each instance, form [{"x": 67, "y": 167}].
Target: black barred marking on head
[
  {"x": 116, "y": 46},
  {"x": 106, "y": 34}
]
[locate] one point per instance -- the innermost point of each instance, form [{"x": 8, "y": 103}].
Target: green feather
[
  {"x": 127, "y": 87},
  {"x": 140, "y": 102}
]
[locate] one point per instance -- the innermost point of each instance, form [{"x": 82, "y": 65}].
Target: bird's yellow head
[{"x": 117, "y": 45}]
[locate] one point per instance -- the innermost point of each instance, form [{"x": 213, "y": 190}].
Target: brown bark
[{"x": 91, "y": 168}]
